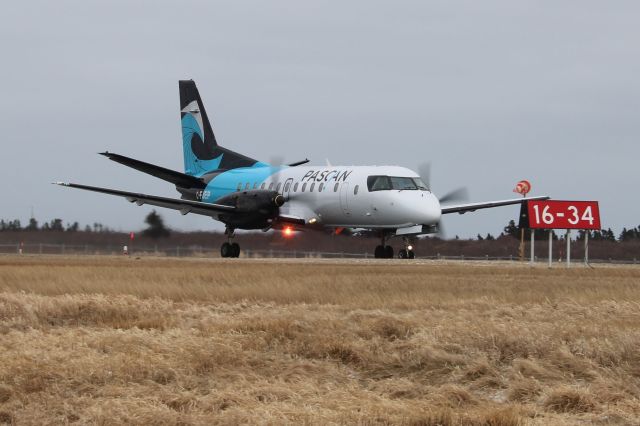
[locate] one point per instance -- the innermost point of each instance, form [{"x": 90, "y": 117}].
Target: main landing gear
[
  {"x": 383, "y": 251},
  {"x": 229, "y": 249}
]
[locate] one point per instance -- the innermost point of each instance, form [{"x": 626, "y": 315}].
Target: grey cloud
[{"x": 489, "y": 92}]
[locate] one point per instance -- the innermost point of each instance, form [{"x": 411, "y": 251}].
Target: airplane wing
[
  {"x": 184, "y": 206},
  {"x": 464, "y": 208}
]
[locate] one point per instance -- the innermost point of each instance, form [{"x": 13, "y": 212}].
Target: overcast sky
[{"x": 490, "y": 92}]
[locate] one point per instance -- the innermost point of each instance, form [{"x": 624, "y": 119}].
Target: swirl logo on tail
[{"x": 193, "y": 143}]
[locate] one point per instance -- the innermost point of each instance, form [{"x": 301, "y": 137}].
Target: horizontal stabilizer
[
  {"x": 177, "y": 178},
  {"x": 299, "y": 163}
]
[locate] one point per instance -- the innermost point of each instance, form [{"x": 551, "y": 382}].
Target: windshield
[
  {"x": 385, "y": 183},
  {"x": 421, "y": 185}
]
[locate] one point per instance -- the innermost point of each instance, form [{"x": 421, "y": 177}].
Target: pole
[
  {"x": 533, "y": 238},
  {"x": 586, "y": 247},
  {"x": 550, "y": 248},
  {"x": 521, "y": 248},
  {"x": 568, "y": 237}
]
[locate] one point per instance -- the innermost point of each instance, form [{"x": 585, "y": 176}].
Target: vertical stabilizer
[{"x": 202, "y": 153}]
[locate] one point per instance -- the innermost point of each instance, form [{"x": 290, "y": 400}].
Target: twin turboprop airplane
[{"x": 244, "y": 193}]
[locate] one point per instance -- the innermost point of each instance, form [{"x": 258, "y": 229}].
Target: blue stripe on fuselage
[{"x": 227, "y": 182}]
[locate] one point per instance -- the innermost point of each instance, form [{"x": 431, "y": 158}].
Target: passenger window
[
  {"x": 320, "y": 187},
  {"x": 239, "y": 188},
  {"x": 295, "y": 187},
  {"x": 335, "y": 187},
  {"x": 263, "y": 185},
  {"x": 355, "y": 190},
  {"x": 286, "y": 186},
  {"x": 255, "y": 185},
  {"x": 304, "y": 186},
  {"x": 312, "y": 186},
  {"x": 278, "y": 187},
  {"x": 270, "y": 186},
  {"x": 247, "y": 186}
]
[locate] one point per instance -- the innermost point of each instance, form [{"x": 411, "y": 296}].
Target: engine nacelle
[{"x": 255, "y": 209}]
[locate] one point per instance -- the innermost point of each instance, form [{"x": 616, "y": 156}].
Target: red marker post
[
  {"x": 523, "y": 188},
  {"x": 551, "y": 214},
  {"x": 127, "y": 250}
]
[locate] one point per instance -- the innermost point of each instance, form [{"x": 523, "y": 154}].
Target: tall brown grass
[{"x": 159, "y": 341}]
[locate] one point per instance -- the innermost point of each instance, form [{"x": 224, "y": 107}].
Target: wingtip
[{"x": 60, "y": 183}]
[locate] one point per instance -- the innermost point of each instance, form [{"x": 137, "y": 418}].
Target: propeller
[
  {"x": 455, "y": 196},
  {"x": 459, "y": 195},
  {"x": 276, "y": 161},
  {"x": 424, "y": 170}
]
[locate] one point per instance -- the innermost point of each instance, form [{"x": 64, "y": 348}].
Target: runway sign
[{"x": 553, "y": 214}]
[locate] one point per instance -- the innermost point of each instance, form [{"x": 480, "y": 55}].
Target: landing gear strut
[
  {"x": 229, "y": 249},
  {"x": 383, "y": 251}
]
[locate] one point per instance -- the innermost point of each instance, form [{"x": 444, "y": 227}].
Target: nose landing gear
[
  {"x": 407, "y": 252},
  {"x": 229, "y": 249}
]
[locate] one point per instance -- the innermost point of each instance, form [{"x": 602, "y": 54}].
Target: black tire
[
  {"x": 226, "y": 250},
  {"x": 235, "y": 250},
  {"x": 388, "y": 252},
  {"x": 411, "y": 254},
  {"x": 402, "y": 254},
  {"x": 379, "y": 252}
]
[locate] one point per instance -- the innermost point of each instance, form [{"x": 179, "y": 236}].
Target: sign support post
[
  {"x": 533, "y": 252},
  {"x": 550, "y": 248},
  {"x": 523, "y": 187},
  {"x": 586, "y": 247},
  {"x": 568, "y": 237}
]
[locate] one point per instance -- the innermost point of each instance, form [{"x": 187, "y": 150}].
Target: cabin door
[{"x": 344, "y": 198}]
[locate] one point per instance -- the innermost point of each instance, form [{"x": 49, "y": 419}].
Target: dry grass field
[{"x": 91, "y": 340}]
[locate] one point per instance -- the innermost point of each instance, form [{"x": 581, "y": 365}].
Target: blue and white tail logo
[{"x": 197, "y": 155}]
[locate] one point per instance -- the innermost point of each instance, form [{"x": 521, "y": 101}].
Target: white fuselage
[{"x": 336, "y": 196}]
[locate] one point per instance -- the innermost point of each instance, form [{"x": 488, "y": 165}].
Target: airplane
[{"x": 247, "y": 194}]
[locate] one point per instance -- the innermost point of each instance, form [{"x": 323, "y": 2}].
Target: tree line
[
  {"x": 53, "y": 225},
  {"x": 155, "y": 226},
  {"x": 513, "y": 230}
]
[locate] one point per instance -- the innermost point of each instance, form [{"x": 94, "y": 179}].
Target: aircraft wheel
[
  {"x": 235, "y": 250},
  {"x": 402, "y": 254},
  {"x": 388, "y": 252},
  {"x": 379, "y": 252},
  {"x": 226, "y": 250},
  {"x": 411, "y": 254}
]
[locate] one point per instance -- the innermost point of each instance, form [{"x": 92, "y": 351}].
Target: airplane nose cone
[{"x": 431, "y": 210}]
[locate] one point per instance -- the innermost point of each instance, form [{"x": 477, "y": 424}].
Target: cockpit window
[
  {"x": 378, "y": 183},
  {"x": 420, "y": 184},
  {"x": 402, "y": 183},
  {"x": 385, "y": 183}
]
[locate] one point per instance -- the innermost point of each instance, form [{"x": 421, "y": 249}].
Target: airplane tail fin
[{"x": 202, "y": 154}]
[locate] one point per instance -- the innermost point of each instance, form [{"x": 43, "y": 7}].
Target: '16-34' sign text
[{"x": 563, "y": 214}]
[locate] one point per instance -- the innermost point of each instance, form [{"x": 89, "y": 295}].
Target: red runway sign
[{"x": 563, "y": 214}]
